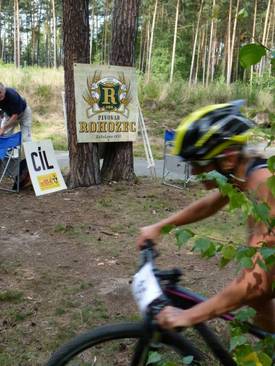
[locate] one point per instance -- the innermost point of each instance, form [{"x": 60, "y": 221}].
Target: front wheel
[{"x": 123, "y": 345}]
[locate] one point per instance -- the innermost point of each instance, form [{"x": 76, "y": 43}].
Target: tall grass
[
  {"x": 163, "y": 104},
  {"x": 42, "y": 89},
  {"x": 178, "y": 97}
]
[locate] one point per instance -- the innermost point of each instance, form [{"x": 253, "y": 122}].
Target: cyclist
[{"x": 215, "y": 138}]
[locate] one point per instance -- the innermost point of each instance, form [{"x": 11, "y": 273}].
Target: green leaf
[
  {"x": 237, "y": 341},
  {"x": 251, "y": 54},
  {"x": 261, "y": 212},
  {"x": 273, "y": 66},
  {"x": 271, "y": 164},
  {"x": 182, "y": 236},
  {"x": 205, "y": 246},
  {"x": 245, "y": 252},
  {"x": 262, "y": 265},
  {"x": 228, "y": 252},
  {"x": 271, "y": 184},
  {"x": 245, "y": 314},
  {"x": 243, "y": 13},
  {"x": 187, "y": 360},
  {"x": 167, "y": 228},
  {"x": 223, "y": 262},
  {"x": 246, "y": 262},
  {"x": 264, "y": 359},
  {"x": 154, "y": 357},
  {"x": 267, "y": 252}
]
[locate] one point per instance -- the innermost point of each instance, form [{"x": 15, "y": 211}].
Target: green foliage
[
  {"x": 251, "y": 54},
  {"x": 245, "y": 353},
  {"x": 156, "y": 359}
]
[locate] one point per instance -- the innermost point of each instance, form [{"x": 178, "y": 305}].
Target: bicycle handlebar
[{"x": 147, "y": 252}]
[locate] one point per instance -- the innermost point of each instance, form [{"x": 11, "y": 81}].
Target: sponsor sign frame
[{"x": 106, "y": 101}]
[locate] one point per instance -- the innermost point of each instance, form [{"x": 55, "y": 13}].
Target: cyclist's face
[{"x": 198, "y": 169}]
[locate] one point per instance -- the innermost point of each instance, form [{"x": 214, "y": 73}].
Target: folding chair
[
  {"x": 10, "y": 156},
  {"x": 174, "y": 169}
]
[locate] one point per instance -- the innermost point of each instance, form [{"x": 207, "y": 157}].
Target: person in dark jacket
[{"x": 16, "y": 112}]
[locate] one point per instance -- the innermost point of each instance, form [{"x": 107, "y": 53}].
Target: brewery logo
[{"x": 107, "y": 94}]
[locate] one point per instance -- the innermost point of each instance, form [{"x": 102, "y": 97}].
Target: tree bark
[
  {"x": 195, "y": 45},
  {"x": 54, "y": 35},
  {"x": 174, "y": 42},
  {"x": 84, "y": 160},
  {"x": 151, "y": 41},
  {"x": 118, "y": 163},
  {"x": 210, "y": 45},
  {"x": 16, "y": 34},
  {"x": 228, "y": 75},
  {"x": 253, "y": 37}
]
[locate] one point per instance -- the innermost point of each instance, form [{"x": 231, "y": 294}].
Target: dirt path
[{"x": 66, "y": 261}]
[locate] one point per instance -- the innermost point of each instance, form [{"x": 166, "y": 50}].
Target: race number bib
[{"x": 145, "y": 287}]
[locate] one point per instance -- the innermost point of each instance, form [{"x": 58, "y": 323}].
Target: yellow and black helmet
[{"x": 207, "y": 132}]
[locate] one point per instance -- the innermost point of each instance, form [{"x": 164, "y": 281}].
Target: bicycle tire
[{"x": 109, "y": 333}]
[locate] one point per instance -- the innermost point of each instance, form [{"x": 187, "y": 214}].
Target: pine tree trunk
[
  {"x": 174, "y": 42},
  {"x": 16, "y": 34},
  {"x": 232, "y": 44},
  {"x": 210, "y": 45},
  {"x": 92, "y": 32},
  {"x": 200, "y": 43},
  {"x": 195, "y": 45},
  {"x": 253, "y": 36},
  {"x": 265, "y": 36},
  {"x": 151, "y": 41},
  {"x": 204, "y": 55},
  {"x": 272, "y": 21},
  {"x": 118, "y": 163},
  {"x": 228, "y": 75},
  {"x": 84, "y": 160},
  {"x": 213, "y": 56},
  {"x": 54, "y": 35}
]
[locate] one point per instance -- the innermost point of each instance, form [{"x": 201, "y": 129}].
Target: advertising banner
[
  {"x": 106, "y": 103},
  {"x": 44, "y": 171}
]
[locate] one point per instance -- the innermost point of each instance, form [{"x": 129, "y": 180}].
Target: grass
[
  {"x": 11, "y": 296},
  {"x": 163, "y": 104}
]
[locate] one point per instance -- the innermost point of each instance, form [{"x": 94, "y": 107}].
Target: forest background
[{"x": 186, "y": 55}]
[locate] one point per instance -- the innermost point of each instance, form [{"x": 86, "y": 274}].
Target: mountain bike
[{"x": 144, "y": 342}]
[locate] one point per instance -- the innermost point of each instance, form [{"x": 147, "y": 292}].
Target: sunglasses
[{"x": 200, "y": 163}]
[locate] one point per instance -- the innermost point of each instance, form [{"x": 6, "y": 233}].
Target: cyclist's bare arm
[
  {"x": 196, "y": 211},
  {"x": 252, "y": 287}
]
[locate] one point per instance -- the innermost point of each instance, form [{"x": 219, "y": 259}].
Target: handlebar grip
[{"x": 148, "y": 244}]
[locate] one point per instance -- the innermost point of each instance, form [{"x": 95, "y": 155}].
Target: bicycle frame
[{"x": 185, "y": 299}]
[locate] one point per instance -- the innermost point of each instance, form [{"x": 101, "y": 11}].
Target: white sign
[
  {"x": 106, "y": 103},
  {"x": 44, "y": 171},
  {"x": 145, "y": 287}
]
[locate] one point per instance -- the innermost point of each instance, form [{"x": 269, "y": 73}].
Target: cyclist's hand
[
  {"x": 148, "y": 232},
  {"x": 171, "y": 317}
]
